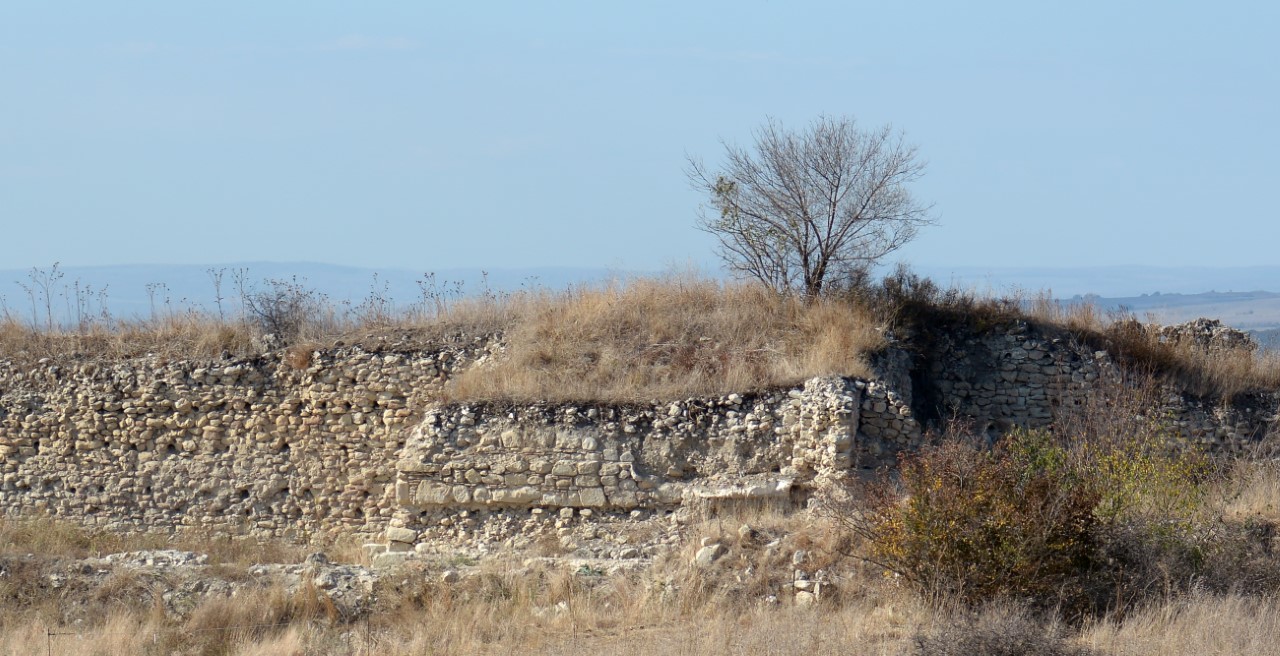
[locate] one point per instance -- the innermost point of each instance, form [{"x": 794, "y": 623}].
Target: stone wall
[
  {"x": 1015, "y": 377},
  {"x": 264, "y": 446},
  {"x": 350, "y": 440},
  {"x": 773, "y": 447},
  {"x": 622, "y": 457},
  {"x": 1028, "y": 375}
]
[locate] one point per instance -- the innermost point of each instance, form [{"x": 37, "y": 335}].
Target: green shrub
[
  {"x": 1077, "y": 527},
  {"x": 980, "y": 524}
]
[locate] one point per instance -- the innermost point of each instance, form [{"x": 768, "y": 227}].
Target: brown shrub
[{"x": 299, "y": 356}]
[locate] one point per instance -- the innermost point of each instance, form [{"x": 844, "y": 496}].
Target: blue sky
[{"x": 425, "y": 135}]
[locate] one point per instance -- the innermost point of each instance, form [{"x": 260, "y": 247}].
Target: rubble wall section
[{"x": 259, "y": 446}]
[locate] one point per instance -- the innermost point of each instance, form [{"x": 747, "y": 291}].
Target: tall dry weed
[
  {"x": 1252, "y": 490},
  {"x": 49, "y": 536}
]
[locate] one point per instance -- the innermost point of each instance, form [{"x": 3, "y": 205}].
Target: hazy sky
[{"x": 426, "y": 135}]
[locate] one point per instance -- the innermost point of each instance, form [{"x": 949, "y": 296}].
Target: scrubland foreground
[
  {"x": 1082, "y": 539},
  {"x": 1097, "y": 535},
  {"x": 763, "y": 581}
]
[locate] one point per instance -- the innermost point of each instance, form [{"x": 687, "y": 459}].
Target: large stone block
[
  {"x": 398, "y": 534},
  {"x": 431, "y": 493},
  {"x": 592, "y": 497}
]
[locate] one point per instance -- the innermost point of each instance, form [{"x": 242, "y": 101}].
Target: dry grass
[
  {"x": 51, "y": 537},
  {"x": 671, "y": 338},
  {"x": 997, "y": 630},
  {"x": 1218, "y": 374},
  {"x": 177, "y": 337},
  {"x": 920, "y": 308},
  {"x": 557, "y": 614},
  {"x": 194, "y": 334},
  {"x": 510, "y": 607},
  {"x": 571, "y": 618},
  {"x": 860, "y": 629},
  {"x": 1201, "y": 624},
  {"x": 1252, "y": 490},
  {"x": 645, "y": 339},
  {"x": 267, "y": 621},
  {"x": 673, "y": 607}
]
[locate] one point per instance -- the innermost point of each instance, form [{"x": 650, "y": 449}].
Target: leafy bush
[
  {"x": 1079, "y": 527},
  {"x": 980, "y": 524}
]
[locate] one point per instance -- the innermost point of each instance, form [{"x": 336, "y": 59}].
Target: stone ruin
[
  {"x": 356, "y": 442},
  {"x": 1209, "y": 336}
]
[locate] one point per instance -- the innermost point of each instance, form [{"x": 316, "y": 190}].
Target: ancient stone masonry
[
  {"x": 257, "y": 445},
  {"x": 1209, "y": 336},
  {"x": 1012, "y": 378},
  {"x": 1026, "y": 376},
  {"x": 713, "y": 450},
  {"x": 629, "y": 456},
  {"x": 355, "y": 441}
]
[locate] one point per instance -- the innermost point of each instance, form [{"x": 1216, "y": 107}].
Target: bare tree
[{"x": 799, "y": 210}]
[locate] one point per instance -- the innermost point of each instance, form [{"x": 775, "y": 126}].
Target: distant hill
[
  {"x": 1111, "y": 282},
  {"x": 1244, "y": 310},
  {"x": 1233, "y": 295}
]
